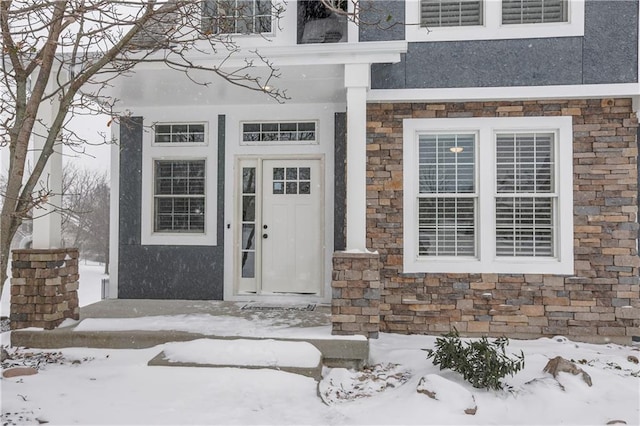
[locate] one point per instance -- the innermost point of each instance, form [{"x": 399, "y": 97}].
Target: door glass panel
[
  {"x": 305, "y": 173},
  {"x": 248, "y": 208},
  {"x": 278, "y": 173},
  {"x": 249, "y": 180},
  {"x": 248, "y": 236},
  {"x": 278, "y": 187},
  {"x": 292, "y": 180},
  {"x": 247, "y": 249},
  {"x": 292, "y": 187},
  {"x": 248, "y": 264}
]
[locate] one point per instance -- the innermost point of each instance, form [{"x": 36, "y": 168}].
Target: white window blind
[
  {"x": 534, "y": 11},
  {"x": 450, "y": 13},
  {"x": 447, "y": 197},
  {"x": 526, "y": 196}
]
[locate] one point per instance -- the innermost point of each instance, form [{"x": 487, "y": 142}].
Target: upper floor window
[
  {"x": 237, "y": 16},
  {"x": 319, "y": 24},
  {"x": 450, "y": 13},
  {"x": 534, "y": 11},
  {"x": 461, "y": 20}
]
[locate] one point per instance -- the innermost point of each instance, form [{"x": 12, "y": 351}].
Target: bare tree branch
[{"x": 66, "y": 54}]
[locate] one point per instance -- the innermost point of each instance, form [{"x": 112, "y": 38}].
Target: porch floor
[{"x": 135, "y": 324}]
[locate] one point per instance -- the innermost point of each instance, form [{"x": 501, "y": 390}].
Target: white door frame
[{"x": 244, "y": 287}]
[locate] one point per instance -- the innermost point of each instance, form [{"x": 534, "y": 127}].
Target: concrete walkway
[{"x": 134, "y": 324}]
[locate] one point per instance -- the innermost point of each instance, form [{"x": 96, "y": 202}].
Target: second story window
[
  {"x": 450, "y": 13},
  {"x": 319, "y": 24},
  {"x": 466, "y": 20},
  {"x": 534, "y": 11},
  {"x": 237, "y": 16}
]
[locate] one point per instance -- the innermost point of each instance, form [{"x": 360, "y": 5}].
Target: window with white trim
[
  {"x": 237, "y": 16},
  {"x": 279, "y": 133},
  {"x": 453, "y": 20},
  {"x": 534, "y": 11},
  {"x": 446, "y": 194},
  {"x": 488, "y": 195},
  {"x": 526, "y": 195},
  {"x": 450, "y": 13},
  {"x": 179, "y": 196},
  {"x": 179, "y": 133}
]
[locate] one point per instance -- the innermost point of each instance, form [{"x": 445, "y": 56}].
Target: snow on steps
[{"x": 294, "y": 357}]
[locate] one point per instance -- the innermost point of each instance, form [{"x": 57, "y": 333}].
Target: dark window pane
[
  {"x": 278, "y": 173},
  {"x": 305, "y": 188},
  {"x": 305, "y": 173},
  {"x": 292, "y": 187},
  {"x": 248, "y": 208},
  {"x": 292, "y": 173},
  {"x": 248, "y": 264},
  {"x": 248, "y": 236},
  {"x": 278, "y": 187},
  {"x": 249, "y": 180}
]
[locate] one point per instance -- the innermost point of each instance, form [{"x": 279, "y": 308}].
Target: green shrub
[{"x": 482, "y": 363}]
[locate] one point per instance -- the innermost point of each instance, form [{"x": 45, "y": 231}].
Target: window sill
[{"x": 506, "y": 266}]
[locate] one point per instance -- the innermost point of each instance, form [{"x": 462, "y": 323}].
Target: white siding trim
[
  {"x": 207, "y": 151},
  {"x": 467, "y": 94},
  {"x": 114, "y": 213},
  {"x": 487, "y": 261}
]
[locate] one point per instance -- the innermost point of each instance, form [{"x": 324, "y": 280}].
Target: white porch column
[
  {"x": 47, "y": 221},
  {"x": 356, "y": 79}
]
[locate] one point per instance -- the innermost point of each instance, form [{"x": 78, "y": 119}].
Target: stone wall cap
[
  {"x": 44, "y": 251},
  {"x": 354, "y": 254}
]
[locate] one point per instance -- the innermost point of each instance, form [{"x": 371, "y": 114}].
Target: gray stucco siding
[
  {"x": 611, "y": 42},
  {"x": 382, "y": 21},
  {"x": 607, "y": 53},
  {"x": 489, "y": 63},
  {"x": 163, "y": 271},
  {"x": 130, "y": 193},
  {"x": 170, "y": 272}
]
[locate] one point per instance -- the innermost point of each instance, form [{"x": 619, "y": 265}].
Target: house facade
[{"x": 468, "y": 164}]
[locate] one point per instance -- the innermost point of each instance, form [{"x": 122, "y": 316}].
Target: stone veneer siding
[
  {"x": 600, "y": 302},
  {"x": 355, "y": 290},
  {"x": 44, "y": 287}
]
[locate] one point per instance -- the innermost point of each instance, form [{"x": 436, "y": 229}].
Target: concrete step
[
  {"x": 337, "y": 351},
  {"x": 293, "y": 357}
]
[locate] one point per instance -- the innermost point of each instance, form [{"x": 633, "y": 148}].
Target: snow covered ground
[{"x": 117, "y": 387}]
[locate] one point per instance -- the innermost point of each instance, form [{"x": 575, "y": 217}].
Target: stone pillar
[
  {"x": 355, "y": 303},
  {"x": 44, "y": 287}
]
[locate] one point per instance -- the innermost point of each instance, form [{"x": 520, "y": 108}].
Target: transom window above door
[{"x": 275, "y": 133}]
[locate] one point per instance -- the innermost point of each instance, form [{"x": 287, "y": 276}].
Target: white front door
[{"x": 281, "y": 237}]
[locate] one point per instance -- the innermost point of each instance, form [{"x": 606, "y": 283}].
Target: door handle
[{"x": 265, "y": 236}]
